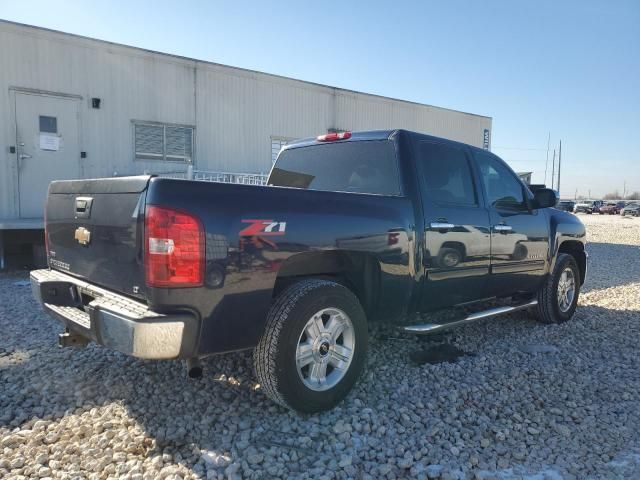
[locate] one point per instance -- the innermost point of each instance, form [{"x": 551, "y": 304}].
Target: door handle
[
  {"x": 441, "y": 226},
  {"x": 24, "y": 156},
  {"x": 502, "y": 228}
]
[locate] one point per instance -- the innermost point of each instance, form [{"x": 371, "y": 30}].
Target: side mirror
[{"x": 544, "y": 198}]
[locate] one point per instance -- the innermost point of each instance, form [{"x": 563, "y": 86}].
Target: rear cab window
[{"x": 369, "y": 166}]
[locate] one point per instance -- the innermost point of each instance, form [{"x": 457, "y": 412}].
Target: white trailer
[{"x": 76, "y": 107}]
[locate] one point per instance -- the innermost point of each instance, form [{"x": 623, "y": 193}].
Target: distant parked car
[
  {"x": 597, "y": 205},
  {"x": 566, "y": 205},
  {"x": 610, "y": 208},
  {"x": 588, "y": 206},
  {"x": 631, "y": 210}
]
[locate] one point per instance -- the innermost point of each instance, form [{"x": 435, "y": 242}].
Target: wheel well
[
  {"x": 576, "y": 250},
  {"x": 359, "y": 272}
]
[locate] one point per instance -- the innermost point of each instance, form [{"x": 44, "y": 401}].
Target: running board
[{"x": 436, "y": 327}]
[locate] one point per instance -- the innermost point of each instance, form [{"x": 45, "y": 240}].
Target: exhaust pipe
[
  {"x": 70, "y": 339},
  {"x": 194, "y": 368}
]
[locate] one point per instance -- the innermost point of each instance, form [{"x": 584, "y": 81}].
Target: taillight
[
  {"x": 174, "y": 248},
  {"x": 332, "y": 137}
]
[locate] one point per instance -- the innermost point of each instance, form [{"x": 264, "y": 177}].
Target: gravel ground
[{"x": 530, "y": 401}]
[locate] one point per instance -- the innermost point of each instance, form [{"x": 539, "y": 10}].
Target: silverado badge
[{"x": 83, "y": 236}]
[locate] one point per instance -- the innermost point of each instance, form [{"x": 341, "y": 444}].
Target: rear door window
[
  {"x": 446, "y": 175},
  {"x": 358, "y": 167}
]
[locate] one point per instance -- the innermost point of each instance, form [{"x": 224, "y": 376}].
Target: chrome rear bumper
[{"x": 112, "y": 320}]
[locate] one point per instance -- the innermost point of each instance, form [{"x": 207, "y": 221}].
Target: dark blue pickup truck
[{"x": 351, "y": 228}]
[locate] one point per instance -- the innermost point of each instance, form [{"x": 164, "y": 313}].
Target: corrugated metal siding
[
  {"x": 363, "y": 112},
  {"x": 131, "y": 88},
  {"x": 9, "y": 63},
  {"x": 235, "y": 112},
  {"x": 237, "y": 115}
]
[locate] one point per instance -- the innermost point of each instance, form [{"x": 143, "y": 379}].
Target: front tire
[
  {"x": 558, "y": 296},
  {"x": 314, "y": 346}
]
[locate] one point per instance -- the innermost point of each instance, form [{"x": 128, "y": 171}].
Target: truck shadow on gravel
[{"x": 223, "y": 417}]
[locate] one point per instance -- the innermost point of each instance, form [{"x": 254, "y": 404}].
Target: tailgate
[{"x": 94, "y": 231}]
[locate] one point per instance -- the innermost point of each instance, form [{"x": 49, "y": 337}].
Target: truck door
[
  {"x": 457, "y": 238},
  {"x": 519, "y": 235}
]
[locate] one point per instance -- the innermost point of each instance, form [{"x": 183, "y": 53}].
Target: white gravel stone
[
  {"x": 345, "y": 461},
  {"x": 434, "y": 471},
  {"x": 533, "y": 401}
]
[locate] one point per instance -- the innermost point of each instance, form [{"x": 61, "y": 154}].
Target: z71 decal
[{"x": 263, "y": 228}]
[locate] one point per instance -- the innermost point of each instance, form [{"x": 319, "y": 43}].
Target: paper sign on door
[{"x": 49, "y": 142}]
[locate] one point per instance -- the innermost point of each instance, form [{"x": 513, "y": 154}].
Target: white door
[{"x": 47, "y": 136}]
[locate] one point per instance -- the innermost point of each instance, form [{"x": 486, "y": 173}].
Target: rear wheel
[
  {"x": 314, "y": 346},
  {"x": 558, "y": 296}
]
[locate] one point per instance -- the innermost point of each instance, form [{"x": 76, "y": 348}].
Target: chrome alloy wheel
[
  {"x": 566, "y": 289},
  {"x": 325, "y": 349}
]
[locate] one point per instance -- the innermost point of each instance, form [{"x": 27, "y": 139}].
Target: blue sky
[{"x": 571, "y": 68}]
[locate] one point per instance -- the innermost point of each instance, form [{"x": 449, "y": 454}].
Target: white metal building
[{"x": 73, "y": 107}]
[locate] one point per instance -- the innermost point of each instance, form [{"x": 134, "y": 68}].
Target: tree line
[{"x": 615, "y": 195}]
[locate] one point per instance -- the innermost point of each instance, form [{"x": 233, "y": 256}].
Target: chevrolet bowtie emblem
[{"x": 83, "y": 236}]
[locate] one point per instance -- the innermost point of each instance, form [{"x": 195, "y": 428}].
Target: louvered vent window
[{"x": 163, "y": 142}]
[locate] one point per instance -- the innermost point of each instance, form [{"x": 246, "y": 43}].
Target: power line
[
  {"x": 559, "y": 165},
  {"x": 546, "y": 163},
  {"x": 553, "y": 168}
]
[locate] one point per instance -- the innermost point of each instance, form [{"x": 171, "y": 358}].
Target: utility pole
[
  {"x": 553, "y": 168},
  {"x": 624, "y": 191},
  {"x": 559, "y": 165},
  {"x": 575, "y": 197},
  {"x": 546, "y": 163}
]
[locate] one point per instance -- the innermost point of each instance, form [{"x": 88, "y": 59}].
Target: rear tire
[
  {"x": 314, "y": 346},
  {"x": 558, "y": 296}
]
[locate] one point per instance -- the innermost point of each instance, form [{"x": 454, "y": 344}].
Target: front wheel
[
  {"x": 314, "y": 346},
  {"x": 558, "y": 296}
]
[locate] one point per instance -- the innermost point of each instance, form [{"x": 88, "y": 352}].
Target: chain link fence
[{"x": 219, "y": 177}]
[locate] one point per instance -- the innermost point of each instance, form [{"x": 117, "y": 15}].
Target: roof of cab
[
  {"x": 355, "y": 136},
  {"x": 373, "y": 135}
]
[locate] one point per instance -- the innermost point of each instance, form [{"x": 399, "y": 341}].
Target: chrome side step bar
[{"x": 436, "y": 327}]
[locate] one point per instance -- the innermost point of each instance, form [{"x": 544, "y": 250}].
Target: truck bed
[{"x": 252, "y": 236}]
